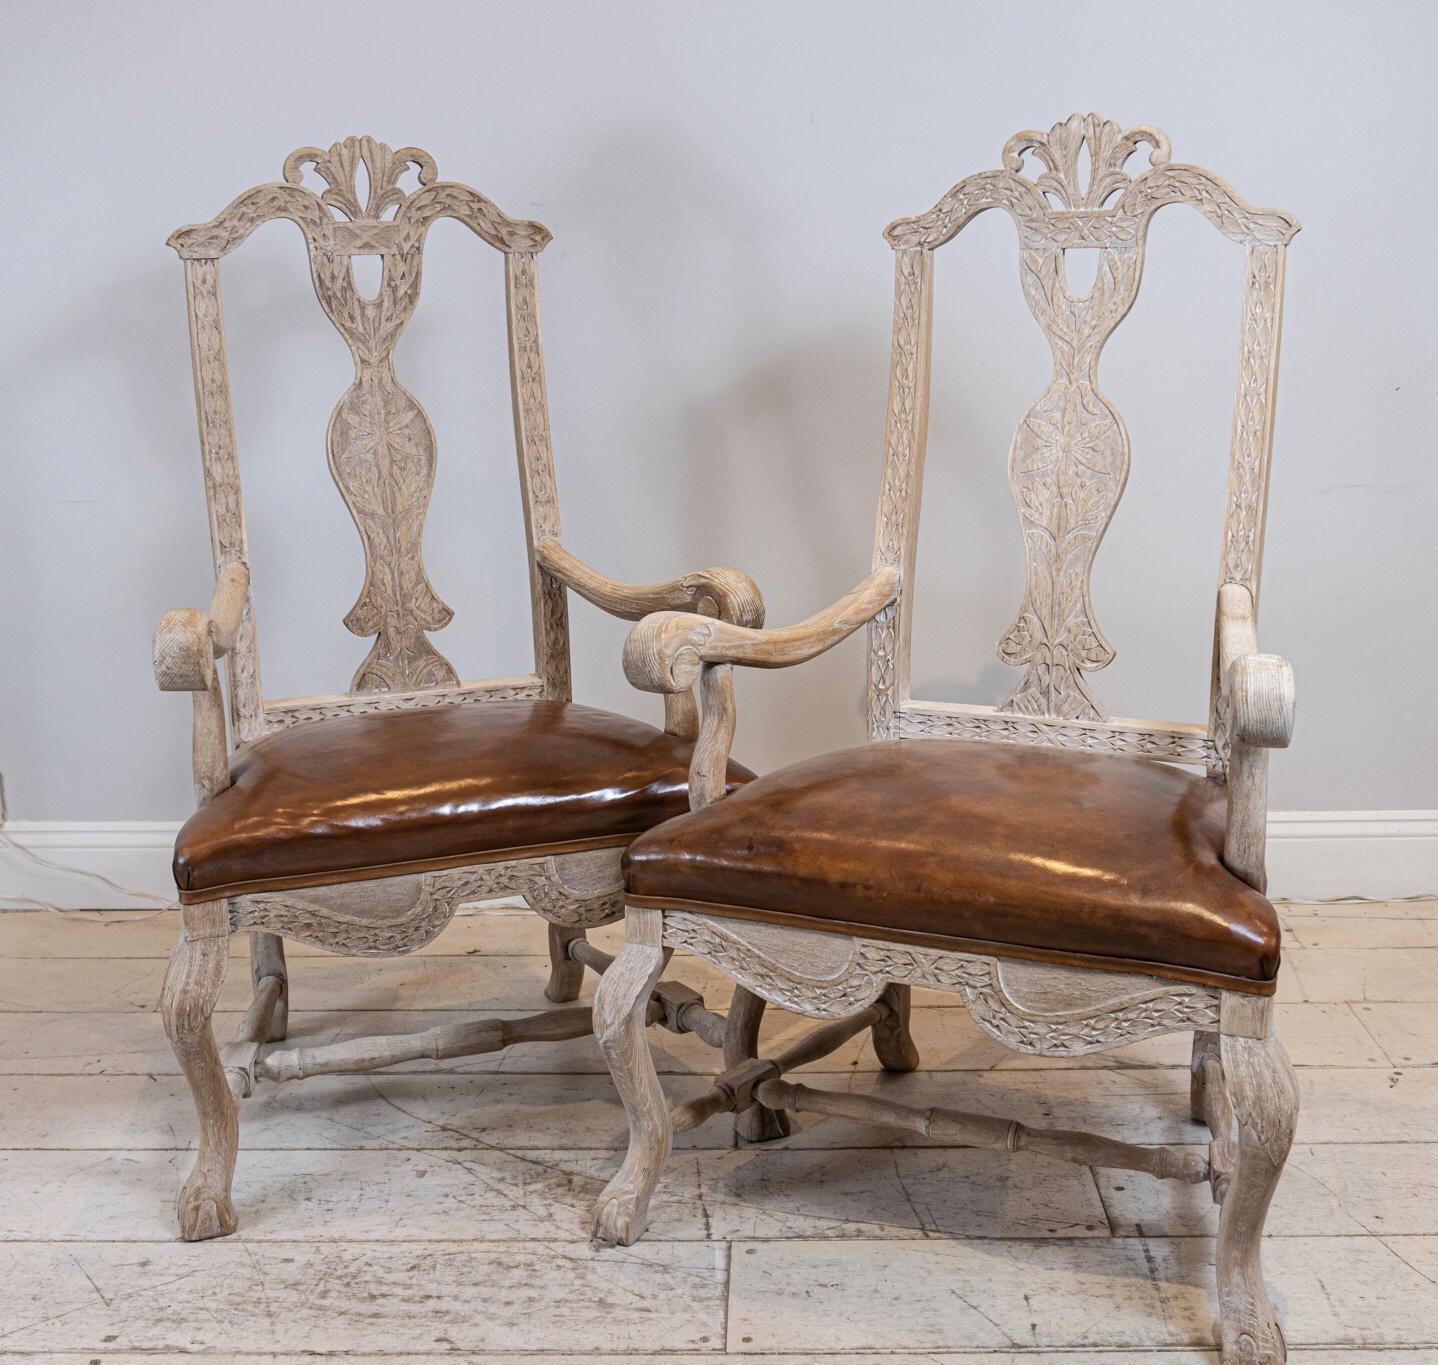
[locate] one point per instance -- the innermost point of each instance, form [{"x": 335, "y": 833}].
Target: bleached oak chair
[
  {"x": 1071, "y": 876},
  {"x": 361, "y": 821}
]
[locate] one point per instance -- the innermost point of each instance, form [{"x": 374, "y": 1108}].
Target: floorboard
[{"x": 438, "y": 1211}]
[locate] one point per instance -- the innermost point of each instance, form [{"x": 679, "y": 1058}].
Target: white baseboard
[
  {"x": 1374, "y": 854},
  {"x": 1312, "y": 855},
  {"x": 132, "y": 853}
]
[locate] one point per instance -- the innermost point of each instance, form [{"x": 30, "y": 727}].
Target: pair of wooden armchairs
[{"x": 1082, "y": 882}]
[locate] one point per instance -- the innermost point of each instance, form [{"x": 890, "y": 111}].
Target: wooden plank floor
[{"x": 438, "y": 1211}]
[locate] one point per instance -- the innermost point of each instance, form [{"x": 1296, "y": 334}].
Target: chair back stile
[
  {"x": 380, "y": 444},
  {"x": 1069, "y": 458}
]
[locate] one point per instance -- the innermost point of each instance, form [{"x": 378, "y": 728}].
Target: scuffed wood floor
[{"x": 438, "y": 1210}]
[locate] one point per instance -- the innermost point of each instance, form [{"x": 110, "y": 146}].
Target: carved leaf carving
[
  {"x": 1069, "y": 458},
  {"x": 380, "y": 444},
  {"x": 1109, "y": 147},
  {"x": 340, "y": 169},
  {"x": 1067, "y": 467}
]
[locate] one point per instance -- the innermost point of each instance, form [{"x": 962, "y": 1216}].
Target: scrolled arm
[
  {"x": 666, "y": 652},
  {"x": 1258, "y": 688},
  {"x": 1256, "y": 691},
  {"x": 187, "y": 645},
  {"x": 726, "y": 593},
  {"x": 187, "y": 642}
]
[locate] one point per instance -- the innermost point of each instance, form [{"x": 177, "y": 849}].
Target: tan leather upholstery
[
  {"x": 983, "y": 847},
  {"x": 385, "y": 793}
]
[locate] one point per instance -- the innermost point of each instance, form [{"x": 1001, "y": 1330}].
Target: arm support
[
  {"x": 1256, "y": 692},
  {"x": 187, "y": 644},
  {"x": 666, "y": 652}
]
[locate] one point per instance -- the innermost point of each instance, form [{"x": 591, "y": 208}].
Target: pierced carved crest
[
  {"x": 1109, "y": 146},
  {"x": 339, "y": 168}
]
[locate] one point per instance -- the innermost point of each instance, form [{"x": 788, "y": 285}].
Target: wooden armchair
[
  {"x": 1066, "y": 873},
  {"x": 360, "y": 821}
]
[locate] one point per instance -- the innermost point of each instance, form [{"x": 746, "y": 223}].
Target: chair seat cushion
[
  {"x": 389, "y": 792},
  {"x": 1047, "y": 854}
]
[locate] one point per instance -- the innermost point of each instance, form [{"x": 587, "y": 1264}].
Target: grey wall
[{"x": 716, "y": 305}]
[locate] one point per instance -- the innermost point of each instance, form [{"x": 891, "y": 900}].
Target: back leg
[
  {"x": 566, "y": 976},
  {"x": 758, "y": 1123},
  {"x": 893, "y": 1044},
  {"x": 1205, "y": 1045},
  {"x": 267, "y": 958}
]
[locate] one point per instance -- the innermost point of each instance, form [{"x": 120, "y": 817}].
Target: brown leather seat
[
  {"x": 384, "y": 793},
  {"x": 1047, "y": 854}
]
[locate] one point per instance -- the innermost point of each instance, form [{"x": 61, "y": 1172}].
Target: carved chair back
[
  {"x": 380, "y": 443},
  {"x": 1069, "y": 458}
]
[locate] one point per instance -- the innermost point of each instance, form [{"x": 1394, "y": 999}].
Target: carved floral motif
[
  {"x": 1069, "y": 457},
  {"x": 380, "y": 444},
  {"x": 1143, "y": 1009},
  {"x": 567, "y": 889},
  {"x": 1175, "y": 745},
  {"x": 339, "y": 167},
  {"x": 902, "y": 478},
  {"x": 1067, "y": 468},
  {"x": 1109, "y": 147}
]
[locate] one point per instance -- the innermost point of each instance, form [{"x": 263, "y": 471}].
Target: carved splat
[
  {"x": 380, "y": 444},
  {"x": 1069, "y": 458},
  {"x": 1067, "y": 468}
]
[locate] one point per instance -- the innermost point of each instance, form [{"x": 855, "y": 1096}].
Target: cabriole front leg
[
  {"x": 621, "y": 1006},
  {"x": 1263, "y": 1092},
  {"x": 192, "y": 985}
]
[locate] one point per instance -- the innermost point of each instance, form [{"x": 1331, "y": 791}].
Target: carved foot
[
  {"x": 893, "y": 1044},
  {"x": 267, "y": 958},
  {"x": 758, "y": 1123},
  {"x": 192, "y": 984},
  {"x": 205, "y": 1209},
  {"x": 1263, "y": 1091},
  {"x": 620, "y": 1216},
  {"x": 566, "y": 976},
  {"x": 621, "y": 1006}
]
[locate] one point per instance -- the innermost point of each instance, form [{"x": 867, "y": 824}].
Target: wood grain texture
[
  {"x": 1068, "y": 464},
  {"x": 382, "y": 454},
  {"x": 1031, "y": 1007},
  {"x": 1070, "y": 455},
  {"x": 724, "y": 593},
  {"x": 1263, "y": 1097},
  {"x": 192, "y": 985},
  {"x": 622, "y": 1212}
]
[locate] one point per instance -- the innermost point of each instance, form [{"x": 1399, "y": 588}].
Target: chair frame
[
  {"x": 572, "y": 890},
  {"x": 1243, "y": 1085}
]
